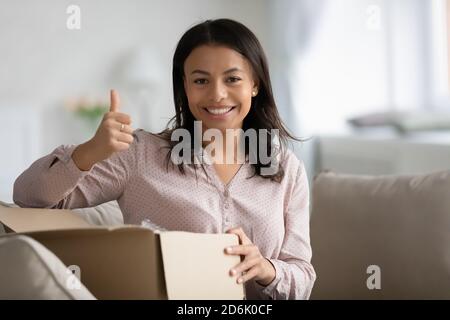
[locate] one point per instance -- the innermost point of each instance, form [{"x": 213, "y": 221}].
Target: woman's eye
[
  {"x": 200, "y": 81},
  {"x": 233, "y": 79}
]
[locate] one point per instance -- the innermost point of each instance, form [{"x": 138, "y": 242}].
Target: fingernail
[
  {"x": 233, "y": 272},
  {"x": 229, "y": 249},
  {"x": 239, "y": 280}
]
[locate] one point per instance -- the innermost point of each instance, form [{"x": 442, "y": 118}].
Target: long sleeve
[
  {"x": 54, "y": 181},
  {"x": 295, "y": 275}
]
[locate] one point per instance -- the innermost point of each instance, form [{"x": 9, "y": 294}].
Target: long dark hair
[{"x": 263, "y": 113}]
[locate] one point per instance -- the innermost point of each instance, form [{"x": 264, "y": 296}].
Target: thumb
[{"x": 115, "y": 101}]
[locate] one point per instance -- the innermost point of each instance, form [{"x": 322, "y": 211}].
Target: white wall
[{"x": 42, "y": 62}]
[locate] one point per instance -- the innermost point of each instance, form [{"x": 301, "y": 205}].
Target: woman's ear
[
  {"x": 255, "y": 88},
  {"x": 255, "y": 91}
]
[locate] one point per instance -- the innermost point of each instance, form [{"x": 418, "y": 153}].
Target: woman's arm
[
  {"x": 55, "y": 181},
  {"x": 294, "y": 274},
  {"x": 81, "y": 176}
]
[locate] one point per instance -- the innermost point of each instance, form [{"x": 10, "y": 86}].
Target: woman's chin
[{"x": 222, "y": 126}]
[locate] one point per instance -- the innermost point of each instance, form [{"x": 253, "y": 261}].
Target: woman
[{"x": 220, "y": 81}]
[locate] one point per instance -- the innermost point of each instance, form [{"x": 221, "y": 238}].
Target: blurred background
[{"x": 365, "y": 80}]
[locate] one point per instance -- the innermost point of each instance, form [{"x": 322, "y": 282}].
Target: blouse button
[
  {"x": 226, "y": 205},
  {"x": 226, "y": 193}
]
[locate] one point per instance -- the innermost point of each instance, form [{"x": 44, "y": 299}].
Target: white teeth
[{"x": 219, "y": 111}]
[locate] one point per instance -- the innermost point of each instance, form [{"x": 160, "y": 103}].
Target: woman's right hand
[{"x": 114, "y": 134}]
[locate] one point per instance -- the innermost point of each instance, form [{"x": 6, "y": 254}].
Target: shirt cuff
[{"x": 269, "y": 289}]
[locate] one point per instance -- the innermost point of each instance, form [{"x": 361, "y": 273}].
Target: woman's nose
[{"x": 217, "y": 92}]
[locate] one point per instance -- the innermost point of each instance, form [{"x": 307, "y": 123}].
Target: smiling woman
[{"x": 221, "y": 80}]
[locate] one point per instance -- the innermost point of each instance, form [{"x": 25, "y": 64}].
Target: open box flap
[
  {"x": 26, "y": 220},
  {"x": 196, "y": 267}
]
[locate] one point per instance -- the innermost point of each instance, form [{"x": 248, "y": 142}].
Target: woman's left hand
[{"x": 254, "y": 265}]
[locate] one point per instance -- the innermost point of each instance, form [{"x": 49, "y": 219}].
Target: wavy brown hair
[{"x": 263, "y": 112}]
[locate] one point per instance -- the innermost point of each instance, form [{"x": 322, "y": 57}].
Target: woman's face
[{"x": 219, "y": 86}]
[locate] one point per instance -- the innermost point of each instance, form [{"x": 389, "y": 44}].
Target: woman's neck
[{"x": 225, "y": 149}]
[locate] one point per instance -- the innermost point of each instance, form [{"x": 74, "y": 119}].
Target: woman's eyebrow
[{"x": 207, "y": 73}]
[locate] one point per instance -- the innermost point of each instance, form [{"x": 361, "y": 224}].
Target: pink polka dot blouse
[{"x": 275, "y": 216}]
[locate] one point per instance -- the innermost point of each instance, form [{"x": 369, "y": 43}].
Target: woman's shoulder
[
  {"x": 291, "y": 163},
  {"x": 148, "y": 144},
  {"x": 149, "y": 138}
]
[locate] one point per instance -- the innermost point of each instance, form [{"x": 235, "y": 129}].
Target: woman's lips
[{"x": 223, "y": 112}]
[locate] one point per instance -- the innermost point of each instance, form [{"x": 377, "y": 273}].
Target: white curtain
[{"x": 292, "y": 26}]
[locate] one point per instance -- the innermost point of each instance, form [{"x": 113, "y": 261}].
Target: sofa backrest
[{"x": 391, "y": 232}]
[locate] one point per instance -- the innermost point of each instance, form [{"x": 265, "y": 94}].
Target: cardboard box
[{"x": 133, "y": 262}]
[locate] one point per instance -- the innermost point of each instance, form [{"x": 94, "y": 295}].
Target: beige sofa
[{"x": 384, "y": 237}]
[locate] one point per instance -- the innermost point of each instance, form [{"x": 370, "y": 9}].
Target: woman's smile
[{"x": 220, "y": 112}]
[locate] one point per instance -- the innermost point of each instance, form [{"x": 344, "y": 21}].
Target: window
[
  {"x": 352, "y": 68},
  {"x": 447, "y": 35},
  {"x": 440, "y": 55}
]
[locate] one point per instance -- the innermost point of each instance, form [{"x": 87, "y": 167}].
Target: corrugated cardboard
[{"x": 132, "y": 262}]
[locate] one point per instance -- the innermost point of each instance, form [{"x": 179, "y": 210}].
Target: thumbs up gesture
[{"x": 114, "y": 134}]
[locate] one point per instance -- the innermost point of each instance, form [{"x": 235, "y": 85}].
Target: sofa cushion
[
  {"x": 31, "y": 271},
  {"x": 106, "y": 214},
  {"x": 399, "y": 224}
]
